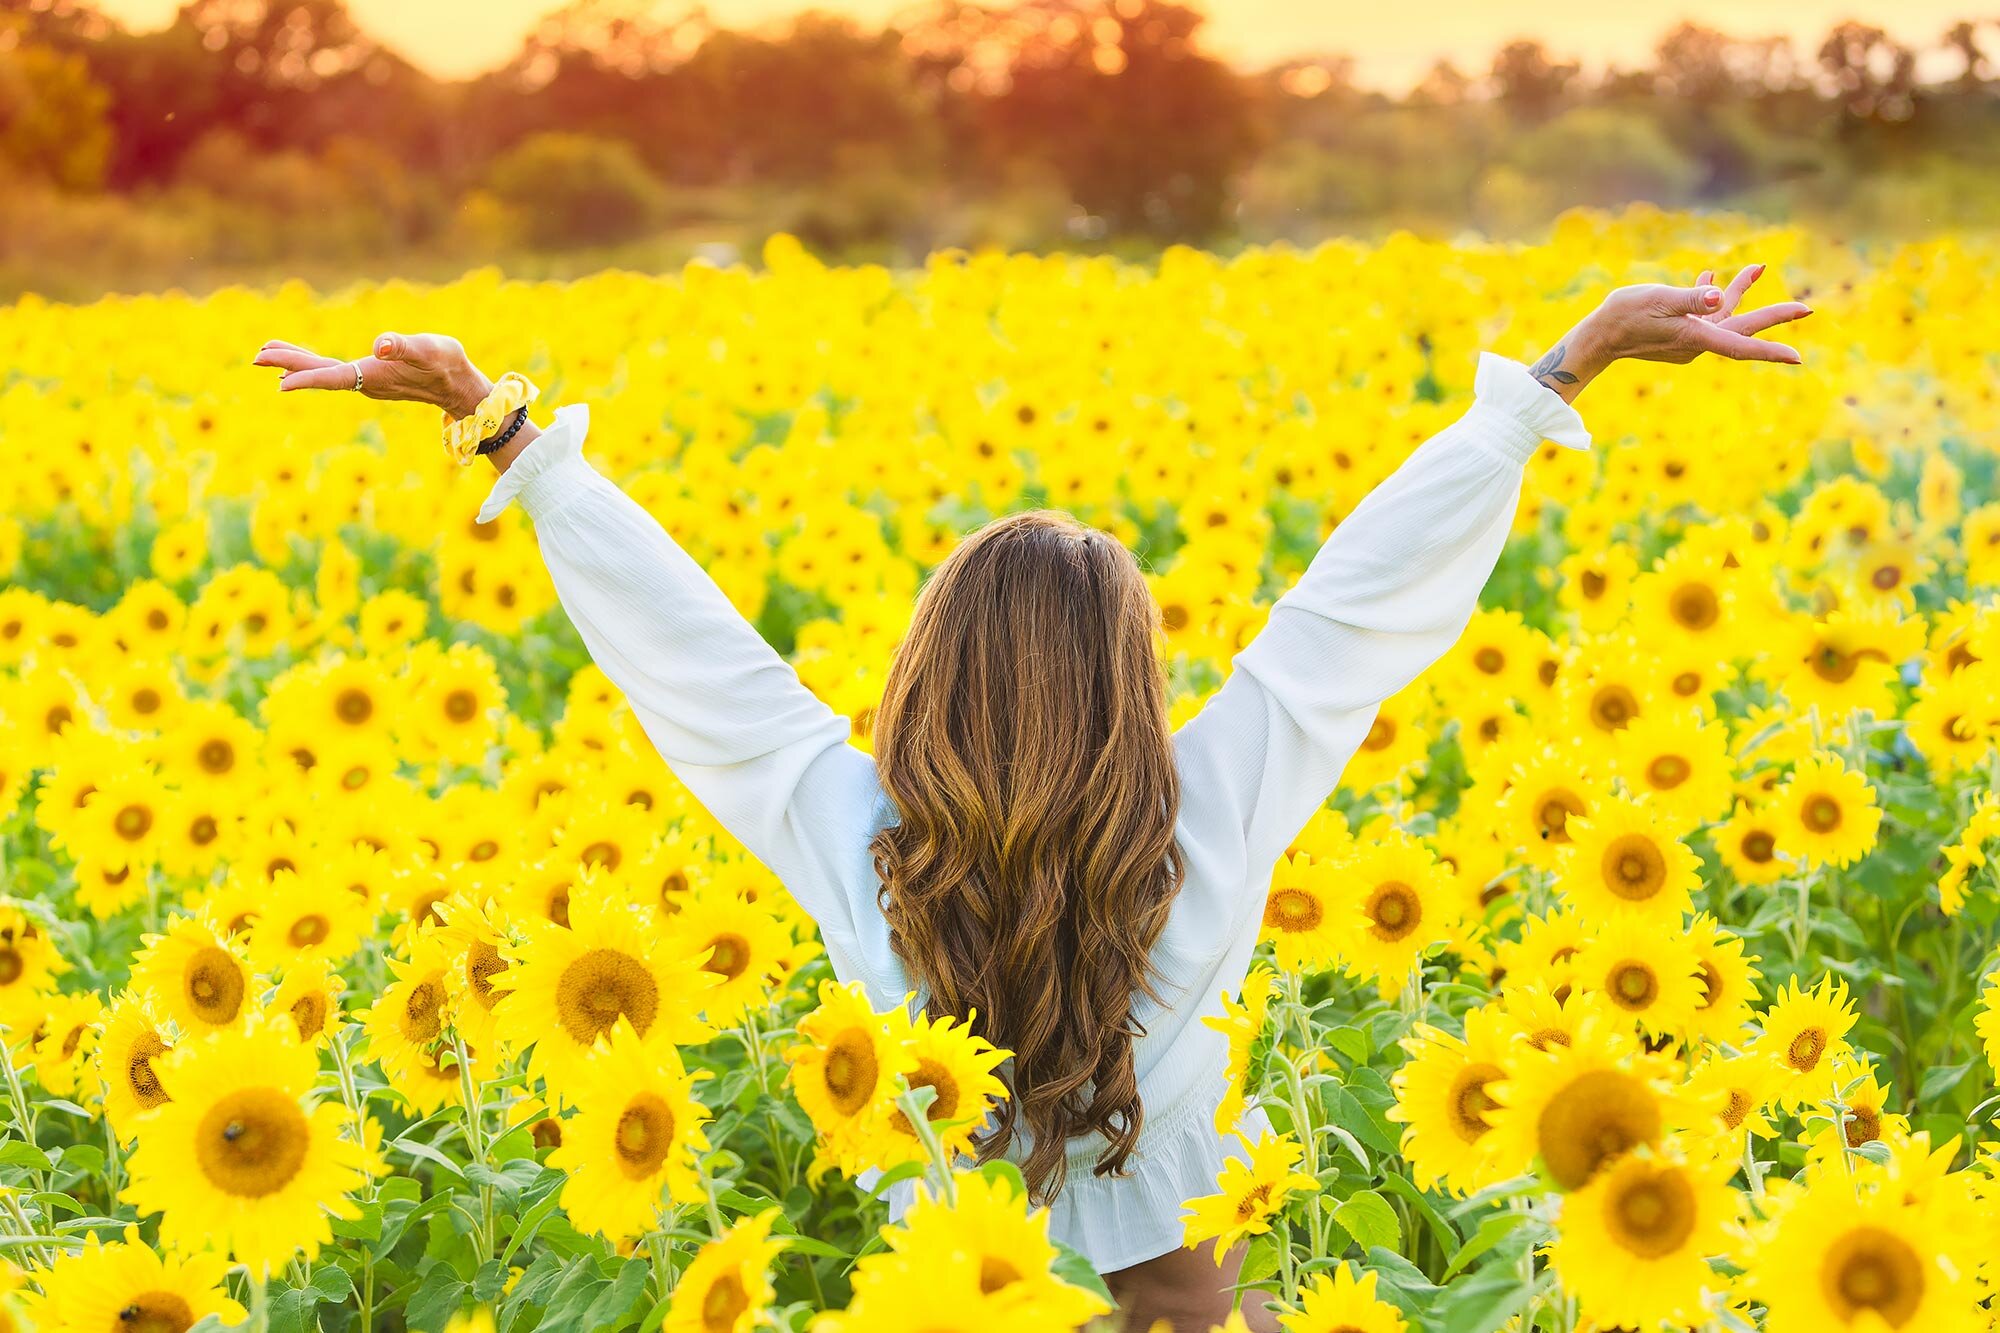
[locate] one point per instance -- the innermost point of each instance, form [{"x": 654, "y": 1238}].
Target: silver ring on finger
[{"x": 357, "y": 377}]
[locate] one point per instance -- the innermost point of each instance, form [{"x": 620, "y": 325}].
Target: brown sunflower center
[
  {"x": 1668, "y": 771},
  {"x": 1553, "y": 813},
  {"x": 1394, "y": 911},
  {"x": 1736, "y": 1109},
  {"x": 601, "y": 987},
  {"x": 482, "y": 963},
  {"x": 1593, "y": 1118},
  {"x": 1381, "y": 735},
  {"x": 1634, "y": 868},
  {"x": 1652, "y": 1214},
  {"x": 133, "y": 822},
  {"x": 252, "y": 1142},
  {"x": 216, "y": 756},
  {"x": 1293, "y": 910},
  {"x": 996, "y": 1274},
  {"x": 1632, "y": 985},
  {"x": 1469, "y": 1101},
  {"x": 1613, "y": 707},
  {"x": 1821, "y": 813},
  {"x": 423, "y": 1011},
  {"x": 461, "y": 706},
  {"x": 309, "y": 1015},
  {"x": 1864, "y": 1125},
  {"x": 353, "y": 706},
  {"x": 944, "y": 1104},
  {"x": 1805, "y": 1050},
  {"x": 644, "y": 1136},
  {"x": 724, "y": 1301},
  {"x": 309, "y": 930},
  {"x": 1758, "y": 847},
  {"x": 1695, "y": 606},
  {"x": 155, "y": 1312},
  {"x": 1870, "y": 1268},
  {"x": 851, "y": 1071},
  {"x": 140, "y": 1080},
  {"x": 729, "y": 955},
  {"x": 214, "y": 983}
]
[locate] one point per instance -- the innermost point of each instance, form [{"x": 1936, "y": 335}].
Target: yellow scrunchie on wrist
[{"x": 511, "y": 392}]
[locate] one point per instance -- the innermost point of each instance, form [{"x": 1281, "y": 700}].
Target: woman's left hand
[{"x": 1674, "y": 324}]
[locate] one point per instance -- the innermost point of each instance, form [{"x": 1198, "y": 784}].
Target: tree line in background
[{"x": 252, "y": 135}]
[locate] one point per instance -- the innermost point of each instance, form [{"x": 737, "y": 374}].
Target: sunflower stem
[
  {"x": 915, "y": 1105},
  {"x": 25, "y": 1117},
  {"x": 475, "y": 1137},
  {"x": 350, "y": 1093},
  {"x": 259, "y": 1320}
]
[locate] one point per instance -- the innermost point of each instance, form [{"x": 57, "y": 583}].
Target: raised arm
[
  {"x": 1394, "y": 586},
  {"x": 767, "y": 758}
]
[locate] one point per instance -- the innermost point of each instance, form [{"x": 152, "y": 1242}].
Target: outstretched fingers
[
  {"x": 1739, "y": 346},
  {"x": 1732, "y": 295},
  {"x": 1756, "y": 321}
]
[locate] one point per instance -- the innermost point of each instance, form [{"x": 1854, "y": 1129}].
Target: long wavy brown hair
[{"x": 1023, "y": 737}]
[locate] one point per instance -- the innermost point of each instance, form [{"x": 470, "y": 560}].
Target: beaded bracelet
[
  {"x": 462, "y": 435},
  {"x": 499, "y": 441}
]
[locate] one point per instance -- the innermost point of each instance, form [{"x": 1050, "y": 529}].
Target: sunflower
[
  {"x": 1395, "y": 748},
  {"x": 64, "y": 1041},
  {"x": 1805, "y": 1032},
  {"x": 727, "y": 1288},
  {"x": 957, "y": 1065},
  {"x": 1845, "y": 662},
  {"x": 309, "y": 995},
  {"x": 195, "y": 974},
  {"x": 1829, "y": 812},
  {"x": 473, "y": 936},
  {"x": 1405, "y": 901},
  {"x": 1747, "y": 842},
  {"x": 1342, "y": 1303},
  {"x": 565, "y": 988},
  {"x": 1728, "y": 980},
  {"x": 1242, "y": 1022},
  {"x": 1441, "y": 1100},
  {"x": 1252, "y": 1191},
  {"x": 453, "y": 706},
  {"x": 238, "y": 1157},
  {"x": 1581, "y": 1106},
  {"x": 1632, "y": 1245},
  {"x": 1678, "y": 762},
  {"x": 1648, "y": 974},
  {"x": 1543, "y": 1020},
  {"x": 636, "y": 1135},
  {"x": 122, "y": 820},
  {"x": 1545, "y": 955},
  {"x": 1987, "y": 1024},
  {"x": 1836, "y": 1261},
  {"x": 302, "y": 917},
  {"x": 1858, "y": 1114},
  {"x": 125, "y": 1286},
  {"x": 211, "y": 748},
  {"x": 29, "y": 966},
  {"x": 1545, "y": 791},
  {"x": 1625, "y": 860},
  {"x": 411, "y": 1022},
  {"x": 1305, "y": 916},
  {"x": 1739, "y": 1089},
  {"x": 988, "y": 1224},
  {"x": 844, "y": 1069},
  {"x": 742, "y": 944},
  {"x": 126, "y": 1057},
  {"x": 1954, "y": 722}
]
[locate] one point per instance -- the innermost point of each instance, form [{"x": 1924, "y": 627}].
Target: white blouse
[{"x": 1390, "y": 591}]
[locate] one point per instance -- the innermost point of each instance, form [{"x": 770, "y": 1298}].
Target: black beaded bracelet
[{"x": 513, "y": 429}]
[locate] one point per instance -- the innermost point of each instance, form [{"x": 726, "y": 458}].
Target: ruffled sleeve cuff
[
  {"x": 546, "y": 470},
  {"x": 1517, "y": 412}
]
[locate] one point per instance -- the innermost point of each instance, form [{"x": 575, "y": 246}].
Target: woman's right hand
[{"x": 406, "y": 368}]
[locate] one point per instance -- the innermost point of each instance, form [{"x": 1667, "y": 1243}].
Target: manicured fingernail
[{"x": 1711, "y": 297}]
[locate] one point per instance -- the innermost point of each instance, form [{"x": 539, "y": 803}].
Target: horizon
[{"x": 1391, "y": 49}]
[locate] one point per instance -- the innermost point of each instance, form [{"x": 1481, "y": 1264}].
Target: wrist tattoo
[{"x": 1549, "y": 369}]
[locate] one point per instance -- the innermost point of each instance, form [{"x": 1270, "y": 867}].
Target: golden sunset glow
[{"x": 1392, "y": 46}]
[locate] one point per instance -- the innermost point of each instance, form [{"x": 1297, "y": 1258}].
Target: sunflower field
[{"x": 362, "y": 967}]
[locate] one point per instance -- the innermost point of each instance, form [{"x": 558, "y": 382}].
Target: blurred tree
[
  {"x": 1963, "y": 39},
  {"x": 1145, "y": 131},
  {"x": 1531, "y": 84},
  {"x": 53, "y": 126},
  {"x": 1874, "y": 75},
  {"x": 573, "y": 189}
]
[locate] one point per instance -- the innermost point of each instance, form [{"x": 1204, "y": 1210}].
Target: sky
[{"x": 1393, "y": 43}]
